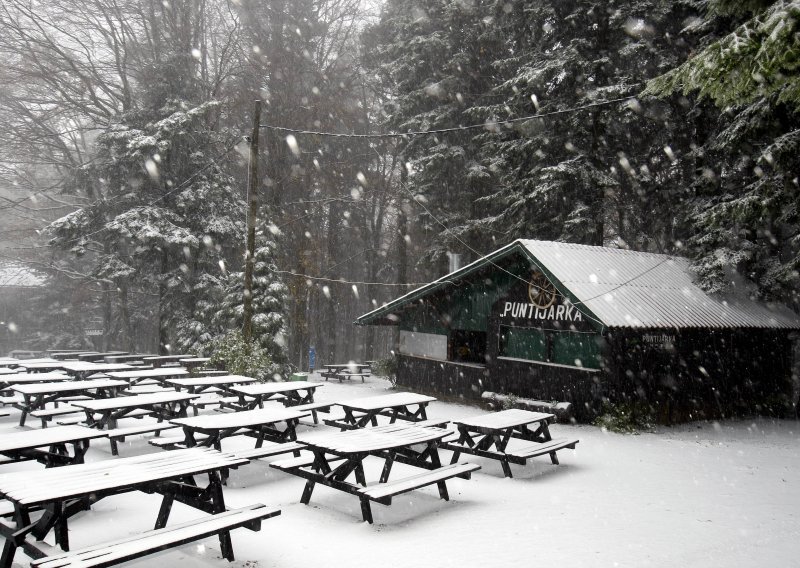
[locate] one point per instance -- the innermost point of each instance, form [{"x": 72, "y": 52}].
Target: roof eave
[{"x": 387, "y": 309}]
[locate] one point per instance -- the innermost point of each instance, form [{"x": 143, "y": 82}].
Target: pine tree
[{"x": 744, "y": 213}]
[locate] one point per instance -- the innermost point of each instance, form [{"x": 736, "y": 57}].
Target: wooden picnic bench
[
  {"x": 106, "y": 413},
  {"x": 339, "y": 455},
  {"x": 83, "y": 369},
  {"x": 74, "y": 488},
  {"x": 360, "y": 412},
  {"x": 53, "y": 446},
  {"x": 139, "y": 376},
  {"x": 488, "y": 436},
  {"x": 159, "y": 360},
  {"x": 37, "y": 396},
  {"x": 143, "y": 544},
  {"x": 343, "y": 371},
  {"x": 261, "y": 424},
  {"x": 130, "y": 359},
  {"x": 199, "y": 385},
  {"x": 290, "y": 393}
]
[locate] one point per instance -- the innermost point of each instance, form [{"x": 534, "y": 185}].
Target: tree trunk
[{"x": 125, "y": 316}]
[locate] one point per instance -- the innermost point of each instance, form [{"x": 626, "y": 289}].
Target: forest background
[{"x": 656, "y": 125}]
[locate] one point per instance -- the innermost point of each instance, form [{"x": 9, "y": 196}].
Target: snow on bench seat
[
  {"x": 172, "y": 442},
  {"x": 142, "y": 544},
  {"x": 269, "y": 450},
  {"x": 314, "y": 407},
  {"x": 349, "y": 376},
  {"x": 383, "y": 492},
  {"x": 539, "y": 449},
  {"x": 82, "y": 419},
  {"x": 47, "y": 414},
  {"x": 296, "y": 463},
  {"x": 118, "y": 435}
]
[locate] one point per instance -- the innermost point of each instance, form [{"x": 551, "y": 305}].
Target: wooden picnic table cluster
[
  {"x": 39, "y": 503},
  {"x": 390, "y": 433}
]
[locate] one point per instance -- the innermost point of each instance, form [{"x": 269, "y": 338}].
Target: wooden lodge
[{"x": 592, "y": 325}]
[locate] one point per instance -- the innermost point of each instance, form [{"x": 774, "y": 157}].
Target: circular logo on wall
[{"x": 541, "y": 292}]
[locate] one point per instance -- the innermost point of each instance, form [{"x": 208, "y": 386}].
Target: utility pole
[{"x": 252, "y": 207}]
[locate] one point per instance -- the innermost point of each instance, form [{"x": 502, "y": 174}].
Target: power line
[
  {"x": 351, "y": 282},
  {"x": 447, "y": 130}
]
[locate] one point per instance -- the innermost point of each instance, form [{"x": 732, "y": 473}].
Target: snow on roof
[
  {"x": 624, "y": 288},
  {"x": 15, "y": 274}
]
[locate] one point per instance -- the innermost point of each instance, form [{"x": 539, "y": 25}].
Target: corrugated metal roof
[
  {"x": 14, "y": 274},
  {"x": 624, "y": 288}
]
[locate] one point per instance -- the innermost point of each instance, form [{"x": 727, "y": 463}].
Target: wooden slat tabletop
[
  {"x": 272, "y": 388},
  {"x": 88, "y": 367},
  {"x": 504, "y": 419},
  {"x": 149, "y": 373},
  {"x": 211, "y": 381},
  {"x": 60, "y": 483},
  {"x": 373, "y": 439},
  {"x": 27, "y": 378},
  {"x": 135, "y": 401},
  {"x": 26, "y": 439},
  {"x": 67, "y": 386},
  {"x": 386, "y": 401},
  {"x": 242, "y": 419}
]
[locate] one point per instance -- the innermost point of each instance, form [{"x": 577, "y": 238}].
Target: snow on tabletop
[{"x": 699, "y": 495}]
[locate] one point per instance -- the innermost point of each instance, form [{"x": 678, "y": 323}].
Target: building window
[
  {"x": 467, "y": 346},
  {"x": 573, "y": 348}
]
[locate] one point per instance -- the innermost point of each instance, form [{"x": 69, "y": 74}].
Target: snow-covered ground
[{"x": 721, "y": 494}]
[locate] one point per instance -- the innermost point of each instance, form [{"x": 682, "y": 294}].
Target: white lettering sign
[{"x": 563, "y": 312}]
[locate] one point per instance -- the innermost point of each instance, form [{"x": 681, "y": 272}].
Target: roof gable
[{"x": 620, "y": 288}]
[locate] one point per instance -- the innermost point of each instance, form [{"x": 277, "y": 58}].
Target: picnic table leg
[
  {"x": 366, "y": 510},
  {"x": 307, "y": 491},
  {"x": 9, "y": 549},
  {"x": 506, "y": 467},
  {"x": 61, "y": 532},
  {"x": 26, "y": 405},
  {"x": 218, "y": 503},
  {"x": 387, "y": 468},
  {"x": 164, "y": 511}
]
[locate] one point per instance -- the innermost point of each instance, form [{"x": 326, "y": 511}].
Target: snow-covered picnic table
[
  {"x": 83, "y": 369},
  {"x": 106, "y": 412},
  {"x": 94, "y": 357},
  {"x": 139, "y": 375},
  {"x": 192, "y": 363},
  {"x": 291, "y": 393},
  {"x": 345, "y": 371},
  {"x": 339, "y": 455},
  {"x": 360, "y": 412},
  {"x": 43, "y": 365},
  {"x": 50, "y": 446},
  {"x": 37, "y": 396},
  {"x": 273, "y": 425},
  {"x": 131, "y": 358},
  {"x": 488, "y": 436},
  {"x": 67, "y": 490},
  {"x": 28, "y": 378},
  {"x": 159, "y": 360},
  {"x": 198, "y": 385}
]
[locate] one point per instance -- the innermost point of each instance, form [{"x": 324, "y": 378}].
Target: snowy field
[{"x": 701, "y": 495}]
